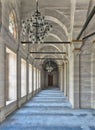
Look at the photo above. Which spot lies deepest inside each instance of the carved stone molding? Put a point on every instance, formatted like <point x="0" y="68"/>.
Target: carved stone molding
<point x="94" y="44"/>
<point x="77" y="44"/>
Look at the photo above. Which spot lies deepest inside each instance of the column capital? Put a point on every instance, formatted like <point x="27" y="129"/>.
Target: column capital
<point x="60" y="66"/>
<point x="94" y="44"/>
<point x="65" y="60"/>
<point x="77" y="51"/>
<point x="77" y="44"/>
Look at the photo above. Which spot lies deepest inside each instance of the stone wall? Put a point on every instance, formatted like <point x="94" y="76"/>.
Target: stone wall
<point x="85" y="81"/>
<point x="7" y="40"/>
<point x="81" y="68"/>
<point x="93" y="79"/>
<point x="87" y="71"/>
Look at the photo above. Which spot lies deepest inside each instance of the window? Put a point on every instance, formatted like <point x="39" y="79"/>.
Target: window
<point x="13" y="24"/>
<point x="30" y="78"/>
<point x="11" y="76"/>
<point x="23" y="77"/>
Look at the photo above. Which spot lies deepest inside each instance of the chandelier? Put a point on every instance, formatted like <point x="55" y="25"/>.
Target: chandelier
<point x="49" y="68"/>
<point x="36" y="28"/>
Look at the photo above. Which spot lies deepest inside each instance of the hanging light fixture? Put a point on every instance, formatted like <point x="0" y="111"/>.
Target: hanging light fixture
<point x="49" y="67"/>
<point x="36" y="28"/>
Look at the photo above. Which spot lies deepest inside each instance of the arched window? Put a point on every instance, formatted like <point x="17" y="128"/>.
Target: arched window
<point x="13" y="24"/>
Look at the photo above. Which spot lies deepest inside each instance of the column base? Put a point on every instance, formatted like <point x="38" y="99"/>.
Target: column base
<point x="2" y="114"/>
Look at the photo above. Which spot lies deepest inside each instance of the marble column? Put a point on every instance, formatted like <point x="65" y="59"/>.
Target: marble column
<point x="36" y="80"/>
<point x="93" y="76"/>
<point x="42" y="78"/>
<point x="76" y="78"/>
<point x="67" y="81"/>
<point x="76" y="73"/>
<point x="65" y="78"/>
<point x="93" y="80"/>
<point x="61" y="79"/>
<point x="2" y="81"/>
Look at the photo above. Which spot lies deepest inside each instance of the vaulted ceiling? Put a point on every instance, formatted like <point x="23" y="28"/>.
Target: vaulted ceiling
<point x="66" y="16"/>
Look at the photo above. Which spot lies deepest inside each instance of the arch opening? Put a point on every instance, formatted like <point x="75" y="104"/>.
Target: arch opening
<point x="50" y="68"/>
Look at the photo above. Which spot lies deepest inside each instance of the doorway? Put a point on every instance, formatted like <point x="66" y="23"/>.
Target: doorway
<point x="50" y="80"/>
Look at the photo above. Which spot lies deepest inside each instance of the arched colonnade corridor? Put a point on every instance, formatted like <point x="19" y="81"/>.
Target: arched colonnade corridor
<point x="50" y="85"/>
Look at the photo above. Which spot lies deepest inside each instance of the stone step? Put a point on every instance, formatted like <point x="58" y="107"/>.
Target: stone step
<point x="49" y="98"/>
<point x="51" y="101"/>
<point x="48" y="104"/>
<point x="43" y="128"/>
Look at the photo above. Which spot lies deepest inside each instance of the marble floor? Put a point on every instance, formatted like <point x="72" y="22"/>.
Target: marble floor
<point x="50" y="110"/>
